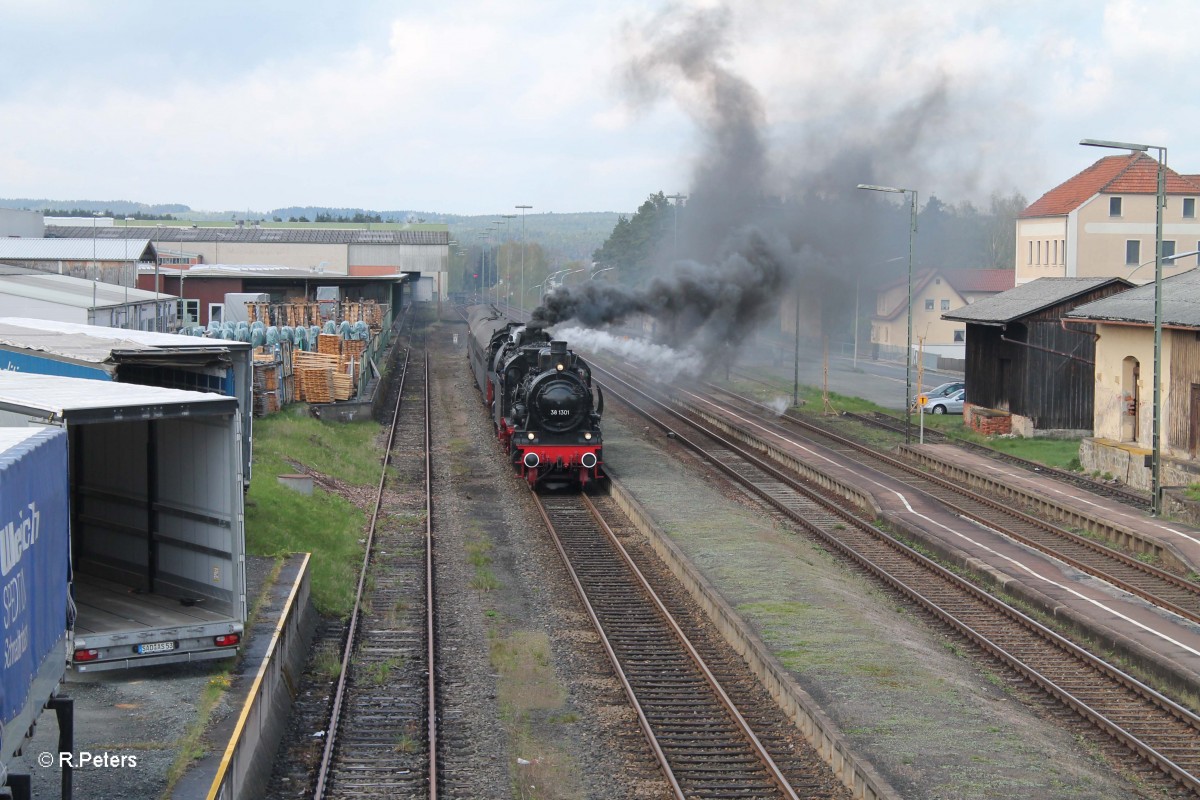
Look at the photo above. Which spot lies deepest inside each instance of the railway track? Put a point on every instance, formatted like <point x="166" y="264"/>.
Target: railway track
<point x="698" y="731"/>
<point x="1159" y="731"/>
<point x="382" y="736"/>
<point x="1130" y="497"/>
<point x="1122" y="570"/>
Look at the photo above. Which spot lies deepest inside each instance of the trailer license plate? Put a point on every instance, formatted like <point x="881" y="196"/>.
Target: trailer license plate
<point x="155" y="647"/>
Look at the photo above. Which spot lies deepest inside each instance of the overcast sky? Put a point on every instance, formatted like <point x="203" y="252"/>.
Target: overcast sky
<point x="465" y="106"/>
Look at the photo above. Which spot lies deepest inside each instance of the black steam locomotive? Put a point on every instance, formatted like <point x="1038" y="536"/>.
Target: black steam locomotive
<point x="541" y="398"/>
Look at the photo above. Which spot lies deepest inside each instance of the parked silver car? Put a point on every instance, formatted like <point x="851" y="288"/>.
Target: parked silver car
<point x="950" y="404"/>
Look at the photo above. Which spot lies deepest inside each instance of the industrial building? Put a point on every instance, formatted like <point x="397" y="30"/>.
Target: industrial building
<point x="31" y="292"/>
<point x="89" y="258"/>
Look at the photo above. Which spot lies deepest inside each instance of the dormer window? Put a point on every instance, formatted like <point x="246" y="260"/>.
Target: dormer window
<point x="1114" y="206"/>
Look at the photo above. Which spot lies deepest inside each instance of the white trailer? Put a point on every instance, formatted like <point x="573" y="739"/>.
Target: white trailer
<point x="156" y="518"/>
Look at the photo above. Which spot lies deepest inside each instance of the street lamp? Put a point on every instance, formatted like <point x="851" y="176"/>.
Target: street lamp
<point x="676" y="197"/>
<point x="157" y="261"/>
<point x="508" y="270"/>
<point x="592" y="277"/>
<point x="912" y="229"/>
<point x="523" y="210"/>
<point x="1160" y="203"/>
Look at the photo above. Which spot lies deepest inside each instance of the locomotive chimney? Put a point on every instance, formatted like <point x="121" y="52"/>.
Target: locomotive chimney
<point x="558" y="347"/>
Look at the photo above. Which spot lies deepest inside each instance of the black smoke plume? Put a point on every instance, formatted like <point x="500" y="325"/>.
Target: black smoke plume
<point x="712" y="301"/>
<point x="699" y="305"/>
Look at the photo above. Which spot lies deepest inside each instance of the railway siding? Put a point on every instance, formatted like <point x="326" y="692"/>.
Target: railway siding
<point x="909" y="704"/>
<point x="1099" y="523"/>
<point x="858" y="775"/>
<point x="1165" y="672"/>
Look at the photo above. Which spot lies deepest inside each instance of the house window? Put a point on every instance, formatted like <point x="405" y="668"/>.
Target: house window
<point x="216" y="312"/>
<point x="929" y="304"/>
<point x="189" y="311"/>
<point x="1133" y="252"/>
<point x="960" y="336"/>
<point x="1055" y="261"/>
<point x="945" y="305"/>
<point x="1039" y="252"/>
<point x="1030" y="259"/>
<point x="1114" y="206"/>
<point x="1189" y="208"/>
<point x="1168" y="250"/>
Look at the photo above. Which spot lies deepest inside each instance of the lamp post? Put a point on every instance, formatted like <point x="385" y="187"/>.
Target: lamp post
<point x="912" y="229"/>
<point x="523" y="210"/>
<point x="157" y="260"/>
<point x="508" y="270"/>
<point x="1160" y="204"/>
<point x="677" y="197"/>
<point x="592" y="277"/>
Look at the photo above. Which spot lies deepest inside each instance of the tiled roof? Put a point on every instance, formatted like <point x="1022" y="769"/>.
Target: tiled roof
<point x="1180" y="306"/>
<point x="980" y="280"/>
<point x="1028" y="298"/>
<point x="1134" y="173"/>
<point x="960" y="280"/>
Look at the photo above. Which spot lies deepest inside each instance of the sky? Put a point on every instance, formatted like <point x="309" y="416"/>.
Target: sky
<point x="473" y="107"/>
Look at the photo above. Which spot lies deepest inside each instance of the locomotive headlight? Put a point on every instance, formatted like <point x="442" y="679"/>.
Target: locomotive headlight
<point x="560" y="367"/>
<point x="532" y="436"/>
<point x="587" y="436"/>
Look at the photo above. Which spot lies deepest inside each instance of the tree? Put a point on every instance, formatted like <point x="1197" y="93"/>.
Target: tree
<point x="635" y="243"/>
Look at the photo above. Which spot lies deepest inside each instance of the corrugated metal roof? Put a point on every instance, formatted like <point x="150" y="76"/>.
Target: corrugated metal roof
<point x="264" y="235"/>
<point x="76" y="292"/>
<point x="84" y="248"/>
<point x="81" y="400"/>
<point x="1028" y="298"/>
<point x="268" y="272"/>
<point x="1180" y="306"/>
<point x="96" y="344"/>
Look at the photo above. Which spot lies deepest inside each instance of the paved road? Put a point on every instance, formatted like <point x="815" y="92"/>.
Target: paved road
<point x="880" y="381"/>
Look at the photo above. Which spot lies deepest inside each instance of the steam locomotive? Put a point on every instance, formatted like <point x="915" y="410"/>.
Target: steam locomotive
<point x="541" y="399"/>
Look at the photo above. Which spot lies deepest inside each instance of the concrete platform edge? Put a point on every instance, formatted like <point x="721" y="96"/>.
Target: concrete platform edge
<point x="243" y="768"/>
<point x="821" y="731"/>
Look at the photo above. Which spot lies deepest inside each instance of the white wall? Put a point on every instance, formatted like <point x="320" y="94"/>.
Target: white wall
<point x="21" y="223"/>
<point x="14" y="306"/>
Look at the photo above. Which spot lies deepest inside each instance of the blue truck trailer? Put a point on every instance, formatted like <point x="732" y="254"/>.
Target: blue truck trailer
<point x="35" y="588"/>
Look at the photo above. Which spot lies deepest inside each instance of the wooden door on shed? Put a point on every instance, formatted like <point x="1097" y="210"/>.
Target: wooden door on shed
<point x="1194" y="422"/>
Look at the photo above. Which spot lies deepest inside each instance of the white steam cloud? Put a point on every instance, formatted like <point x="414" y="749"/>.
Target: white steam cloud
<point x="666" y="363"/>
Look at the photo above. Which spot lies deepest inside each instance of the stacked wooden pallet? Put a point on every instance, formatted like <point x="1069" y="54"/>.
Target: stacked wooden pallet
<point x="316" y="385"/>
<point x="314" y="376"/>
<point x="343" y="386"/>
<point x="329" y="343"/>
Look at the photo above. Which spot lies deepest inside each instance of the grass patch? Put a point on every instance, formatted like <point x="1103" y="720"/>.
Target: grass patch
<point x="379" y="672"/>
<point x="479" y="554"/>
<point x="527" y="689"/>
<point x="327" y="662"/>
<point x="280" y="521"/>
<point x="191" y="748"/>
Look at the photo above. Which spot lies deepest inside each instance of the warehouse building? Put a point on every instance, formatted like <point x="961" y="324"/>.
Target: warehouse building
<point x="31" y="292"/>
<point x="90" y="258"/>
